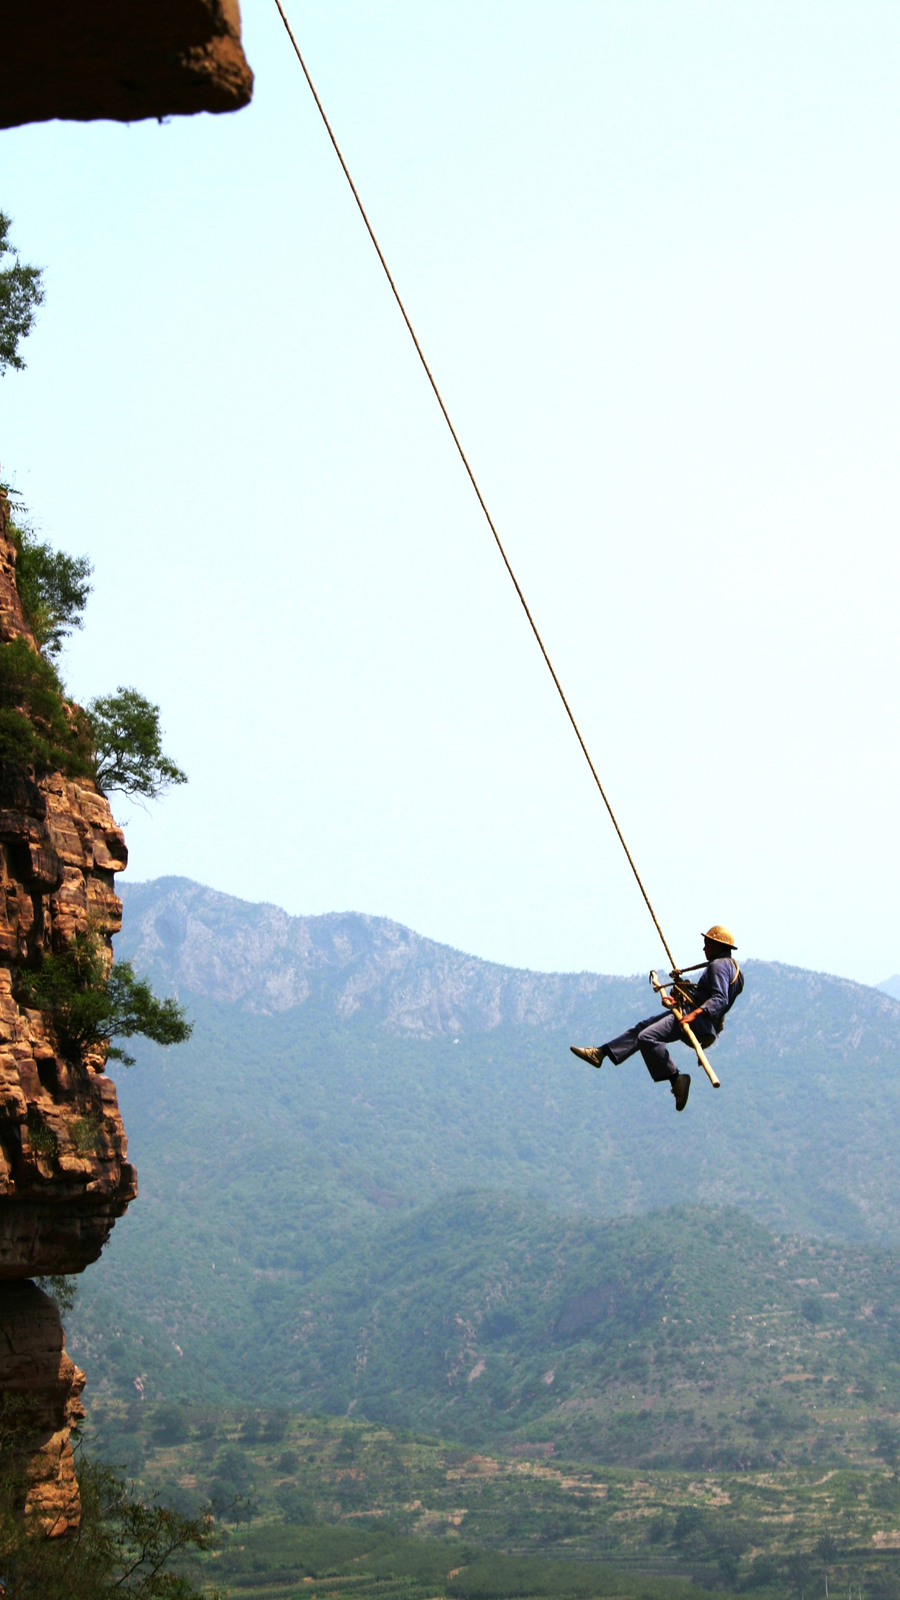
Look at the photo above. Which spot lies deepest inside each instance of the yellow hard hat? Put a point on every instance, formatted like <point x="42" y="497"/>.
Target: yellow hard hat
<point x="719" y="934"/>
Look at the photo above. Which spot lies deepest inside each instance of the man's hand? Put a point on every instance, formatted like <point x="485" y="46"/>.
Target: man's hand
<point x="671" y="1001"/>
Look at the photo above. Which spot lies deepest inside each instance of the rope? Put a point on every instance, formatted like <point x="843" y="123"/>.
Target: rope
<point x="472" y="479"/>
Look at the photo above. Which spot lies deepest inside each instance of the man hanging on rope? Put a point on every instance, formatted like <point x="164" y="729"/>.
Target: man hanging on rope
<point x="710" y="999"/>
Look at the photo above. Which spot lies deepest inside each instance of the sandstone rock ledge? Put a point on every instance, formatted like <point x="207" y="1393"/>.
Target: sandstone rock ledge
<point x="64" y="1173"/>
<point x="38" y="1376"/>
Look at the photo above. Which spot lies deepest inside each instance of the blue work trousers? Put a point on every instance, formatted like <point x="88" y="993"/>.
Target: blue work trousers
<point x="651" y="1037"/>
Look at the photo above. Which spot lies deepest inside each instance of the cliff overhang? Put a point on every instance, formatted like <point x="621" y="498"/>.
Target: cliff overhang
<point x="125" y="62"/>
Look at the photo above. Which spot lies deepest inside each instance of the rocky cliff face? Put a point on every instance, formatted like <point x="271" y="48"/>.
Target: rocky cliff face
<point x="38" y="1377"/>
<point x="151" y="58"/>
<point x="64" y="1173"/>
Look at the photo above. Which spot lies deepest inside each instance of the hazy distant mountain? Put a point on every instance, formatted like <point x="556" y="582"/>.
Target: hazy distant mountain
<point x="347" y="1078"/>
<point x="891" y="986"/>
<point x="194" y="940"/>
<point x="350" y="1047"/>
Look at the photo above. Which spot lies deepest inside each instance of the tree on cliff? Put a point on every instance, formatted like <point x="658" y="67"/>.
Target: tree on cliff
<point x="87" y="1008"/>
<point x="128" y="739"/>
<point x="37" y="726"/>
<point x="21" y="292"/>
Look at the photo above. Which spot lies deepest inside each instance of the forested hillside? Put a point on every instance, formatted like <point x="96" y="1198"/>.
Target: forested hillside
<point x="691" y="1337"/>
<point x="337" y="1211"/>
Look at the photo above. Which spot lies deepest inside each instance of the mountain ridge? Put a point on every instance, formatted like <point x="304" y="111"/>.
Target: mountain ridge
<point x="194" y="939"/>
<point x="235" y="950"/>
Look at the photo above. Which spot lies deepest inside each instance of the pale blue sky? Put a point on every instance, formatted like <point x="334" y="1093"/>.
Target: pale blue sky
<point x="653" y="253"/>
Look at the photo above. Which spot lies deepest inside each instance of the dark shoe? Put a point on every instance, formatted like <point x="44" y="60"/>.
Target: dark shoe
<point x="681" y="1088"/>
<point x="594" y="1055"/>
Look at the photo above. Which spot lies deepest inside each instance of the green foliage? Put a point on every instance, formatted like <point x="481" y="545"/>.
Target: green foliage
<point x="128" y="742"/>
<point x="688" y="1521"/>
<point x="88" y="1008"/>
<point x="53" y="588"/>
<point x="21" y="292"/>
<point x="42" y="1139"/>
<point x="60" y="1288"/>
<point x="118" y="740"/>
<point x="135" y="1009"/>
<point x="87" y="1134"/>
<point x="801" y="1574"/>
<point x="125" y="1546"/>
<point x="37" y="727"/>
<point x="171" y="1424"/>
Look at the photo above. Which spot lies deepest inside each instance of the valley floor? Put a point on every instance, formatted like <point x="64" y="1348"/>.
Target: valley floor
<point x="332" y="1506"/>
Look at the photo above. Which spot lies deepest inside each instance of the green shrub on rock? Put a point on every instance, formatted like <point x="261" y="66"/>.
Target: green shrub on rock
<point x="53" y="588"/>
<point x="37" y="727"/>
<point x="87" y="1007"/>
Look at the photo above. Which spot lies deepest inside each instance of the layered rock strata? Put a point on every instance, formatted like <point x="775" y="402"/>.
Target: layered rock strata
<point x="64" y="1172"/>
<point x="100" y="58"/>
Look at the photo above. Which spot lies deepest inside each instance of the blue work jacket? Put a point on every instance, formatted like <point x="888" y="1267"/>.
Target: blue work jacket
<point x="717" y="990"/>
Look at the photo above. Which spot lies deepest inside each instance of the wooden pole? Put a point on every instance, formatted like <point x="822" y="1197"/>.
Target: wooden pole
<point x="689" y="1034"/>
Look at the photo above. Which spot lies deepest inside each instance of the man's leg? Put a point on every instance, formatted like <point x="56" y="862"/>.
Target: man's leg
<point x="654" y="1036"/>
<point x="619" y="1049"/>
<point x="652" y="1045"/>
<point x="651" y="1037"/>
<point x="629" y="1042"/>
